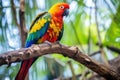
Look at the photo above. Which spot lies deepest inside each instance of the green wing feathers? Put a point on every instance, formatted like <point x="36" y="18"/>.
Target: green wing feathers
<point x="38" y="28"/>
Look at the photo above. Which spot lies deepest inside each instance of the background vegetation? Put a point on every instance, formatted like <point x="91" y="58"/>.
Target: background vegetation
<point x="90" y="25"/>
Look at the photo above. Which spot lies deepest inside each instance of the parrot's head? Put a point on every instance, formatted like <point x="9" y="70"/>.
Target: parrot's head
<point x="59" y="9"/>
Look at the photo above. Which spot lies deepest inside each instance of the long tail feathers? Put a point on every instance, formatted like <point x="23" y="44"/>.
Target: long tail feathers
<point x="24" y="69"/>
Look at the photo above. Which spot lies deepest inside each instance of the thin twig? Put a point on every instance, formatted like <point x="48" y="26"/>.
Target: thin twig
<point x="72" y="70"/>
<point x="99" y="37"/>
<point x="94" y="53"/>
<point x="77" y="36"/>
<point x="108" y="6"/>
<point x="23" y="30"/>
<point x="14" y="14"/>
<point x="112" y="48"/>
<point x="89" y="33"/>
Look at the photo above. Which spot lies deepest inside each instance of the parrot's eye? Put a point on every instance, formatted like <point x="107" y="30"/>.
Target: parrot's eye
<point x="62" y="7"/>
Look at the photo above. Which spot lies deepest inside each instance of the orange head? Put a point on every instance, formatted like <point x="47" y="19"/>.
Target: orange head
<point x="59" y="9"/>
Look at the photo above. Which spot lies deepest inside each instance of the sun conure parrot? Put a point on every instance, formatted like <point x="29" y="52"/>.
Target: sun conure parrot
<point x="47" y="26"/>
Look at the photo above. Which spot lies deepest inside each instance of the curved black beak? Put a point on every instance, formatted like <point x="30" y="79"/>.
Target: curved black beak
<point x="66" y="12"/>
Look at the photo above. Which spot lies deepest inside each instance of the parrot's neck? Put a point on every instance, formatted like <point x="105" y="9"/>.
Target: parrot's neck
<point x="55" y="14"/>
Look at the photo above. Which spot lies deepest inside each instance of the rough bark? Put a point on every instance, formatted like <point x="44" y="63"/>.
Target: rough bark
<point x="71" y="52"/>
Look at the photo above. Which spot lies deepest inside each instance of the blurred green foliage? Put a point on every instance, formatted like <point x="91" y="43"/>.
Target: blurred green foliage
<point x="80" y="30"/>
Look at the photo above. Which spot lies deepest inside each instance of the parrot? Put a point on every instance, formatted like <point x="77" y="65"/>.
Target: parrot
<point x="47" y="26"/>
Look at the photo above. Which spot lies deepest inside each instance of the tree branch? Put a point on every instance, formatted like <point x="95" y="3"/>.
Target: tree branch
<point x="14" y="13"/>
<point x="112" y="48"/>
<point x="73" y="27"/>
<point x="98" y="33"/>
<point x="21" y="27"/>
<point x="72" y="70"/>
<point x="23" y="30"/>
<point x="71" y="52"/>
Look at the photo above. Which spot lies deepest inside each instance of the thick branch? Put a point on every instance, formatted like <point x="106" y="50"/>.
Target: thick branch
<point x="71" y="52"/>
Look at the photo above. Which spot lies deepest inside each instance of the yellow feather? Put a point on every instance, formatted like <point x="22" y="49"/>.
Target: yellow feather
<point x="37" y="26"/>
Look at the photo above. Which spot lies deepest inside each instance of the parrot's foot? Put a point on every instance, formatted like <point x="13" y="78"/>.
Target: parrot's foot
<point x="58" y="42"/>
<point x="47" y="42"/>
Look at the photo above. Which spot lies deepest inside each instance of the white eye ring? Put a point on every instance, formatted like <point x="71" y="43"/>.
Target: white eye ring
<point x="62" y="7"/>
